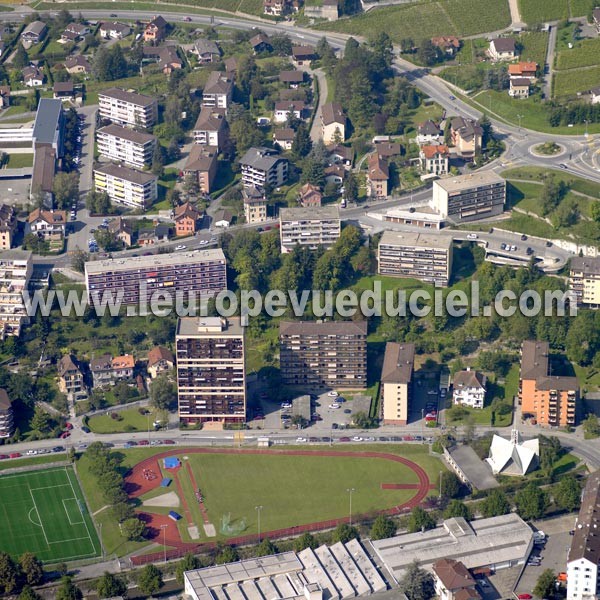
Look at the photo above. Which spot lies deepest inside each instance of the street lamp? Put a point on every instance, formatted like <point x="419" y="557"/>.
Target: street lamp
<point x="101" y="544"/>
<point x="350" y="491"/>
<point x="519" y="117"/>
<point x="148" y="420"/>
<point x="164" y="530"/>
<point x="586" y="128"/>
<point x="258" y="509"/>
<point x="440" y="484"/>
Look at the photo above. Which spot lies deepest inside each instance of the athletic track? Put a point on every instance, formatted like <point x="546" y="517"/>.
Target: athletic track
<point x="136" y="485"/>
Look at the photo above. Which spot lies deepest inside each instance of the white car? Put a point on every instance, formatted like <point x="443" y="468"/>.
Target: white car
<point x="334" y="405"/>
<point x="301" y="439"/>
<point x="286" y="405"/>
<point x="333" y="394"/>
<point x="32" y="452"/>
<point x="357" y="438"/>
<point x="203" y="242"/>
<point x="432" y="392"/>
<point x="180" y="247"/>
<point x="472" y="236"/>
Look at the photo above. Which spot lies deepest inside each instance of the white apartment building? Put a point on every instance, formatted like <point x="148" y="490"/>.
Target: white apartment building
<point x="218" y="90"/>
<point x="584" y="280"/>
<point x="263" y="166"/>
<point x="584" y="554"/>
<point x="468" y="388"/>
<point x="15" y="271"/>
<point x="313" y="227"/>
<point x="127" y="108"/>
<point x="211" y="128"/>
<point x="126" y="186"/>
<point x="126" y="145"/>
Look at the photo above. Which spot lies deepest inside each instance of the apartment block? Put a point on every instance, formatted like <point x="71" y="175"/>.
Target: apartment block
<point x="127" y="108"/>
<point x="218" y="90"/>
<point x="423" y="256"/>
<point x="200" y="272"/>
<point x="15" y="271"/>
<point x="584" y="554"/>
<point x="211" y="371"/>
<point x="211" y="128"/>
<point x="255" y="205"/>
<point x="313" y="227"/>
<point x="137" y="189"/>
<point x="396" y="382"/>
<point x="331" y="354"/>
<point x="468" y="388"/>
<point x="552" y="399"/>
<point x="6" y="415"/>
<point x="126" y="145"/>
<point x="70" y="376"/>
<point x="469" y="197"/>
<point x="584" y="280"/>
<point x="8" y="225"/>
<point x="263" y="167"/>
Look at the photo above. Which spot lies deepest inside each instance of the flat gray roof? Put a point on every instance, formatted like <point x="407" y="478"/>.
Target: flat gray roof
<point x="309" y="214"/>
<point x="480" y="543"/>
<point x="137" y="137"/>
<point x="471" y="180"/>
<point x="477" y="471"/>
<point x="156" y="260"/>
<point x="16" y="255"/>
<point x="209" y="326"/>
<point x="46" y="120"/>
<point x="416" y="239"/>
<point x="125" y="173"/>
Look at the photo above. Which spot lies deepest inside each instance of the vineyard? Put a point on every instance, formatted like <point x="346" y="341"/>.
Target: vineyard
<point x="568" y="83"/>
<point x="538" y="11"/>
<point x="426" y="19"/>
<point x="585" y="54"/>
<point x="533" y="46"/>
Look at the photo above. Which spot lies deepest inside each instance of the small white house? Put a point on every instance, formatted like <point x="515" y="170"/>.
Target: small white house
<point x="469" y="388"/>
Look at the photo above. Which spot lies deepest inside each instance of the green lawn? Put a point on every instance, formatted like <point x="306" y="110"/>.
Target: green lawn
<point x="584" y="186"/>
<point x="580" y="8"/>
<point x="30" y="460"/>
<point x="132" y="420"/>
<point x="425" y="19"/>
<point x="18" y="161"/>
<point x="44" y="512"/>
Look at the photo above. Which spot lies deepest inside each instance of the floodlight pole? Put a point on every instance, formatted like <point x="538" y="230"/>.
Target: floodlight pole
<point x="164" y="529"/>
<point x="101" y="544"/>
<point x="350" y="491"/>
<point x="258" y="509"/>
<point x="440" y="484"/>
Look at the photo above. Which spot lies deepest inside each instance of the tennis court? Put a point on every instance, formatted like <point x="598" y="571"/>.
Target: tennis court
<point x="44" y="512"/>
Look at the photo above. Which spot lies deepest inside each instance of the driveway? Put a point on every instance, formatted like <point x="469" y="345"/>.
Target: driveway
<point x="550" y="61"/>
<point x="315" y="130"/>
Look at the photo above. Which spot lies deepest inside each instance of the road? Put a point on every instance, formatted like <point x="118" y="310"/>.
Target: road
<point x="549" y="66"/>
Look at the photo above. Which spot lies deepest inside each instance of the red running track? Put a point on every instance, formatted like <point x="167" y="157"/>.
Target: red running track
<point x="136" y="485"/>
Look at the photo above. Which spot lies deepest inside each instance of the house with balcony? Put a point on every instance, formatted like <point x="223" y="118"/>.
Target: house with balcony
<point x="102" y="371"/>
<point x="8" y="225"/>
<point x="434" y="159"/>
<point x="467" y="136"/>
<point x="285" y="108"/>
<point x="122" y="367"/>
<point x="468" y="388"/>
<point x="284" y="137"/>
<point x="378" y="175"/>
<point x="50" y="225"/>
<point x="156" y="30"/>
<point x="255" y="205"/>
<point x="160" y="360"/>
<point x="502" y="49"/>
<point x="122" y="230"/>
<point x="202" y="164"/>
<point x="310" y="195"/>
<point x="453" y="581"/>
<point x="6" y="415"/>
<point x="207" y="51"/>
<point x="77" y="65"/>
<point x="187" y="219"/>
<point x="114" y="31"/>
<point x="333" y="123"/>
<point x="263" y="167"/>
<point x="519" y="87"/>
<point x="33" y="33"/>
<point x="429" y="133"/>
<point x="211" y="128"/>
<point x="32" y="76"/>
<point x="70" y="375"/>
<point x="448" y="44"/>
<point x="218" y="90"/>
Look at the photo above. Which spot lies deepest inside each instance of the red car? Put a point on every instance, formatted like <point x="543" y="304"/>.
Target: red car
<point x="64" y="435"/>
<point x="344" y="439"/>
<point x="3" y="456"/>
<point x="15" y="454"/>
<point x="143" y="443"/>
<point x="68" y="426"/>
<point x="168" y="442"/>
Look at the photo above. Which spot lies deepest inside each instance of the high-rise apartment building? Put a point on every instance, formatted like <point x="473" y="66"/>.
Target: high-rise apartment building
<point x="211" y="372"/>
<point x="396" y="382"/>
<point x="552" y="399"/>
<point x="584" y="280"/>
<point x="329" y="354"/>
<point x="15" y="271"/>
<point x="124" y="185"/>
<point x="127" y="108"/>
<point x="200" y="272"/>
<point x="125" y="145"/>
<point x="313" y="226"/>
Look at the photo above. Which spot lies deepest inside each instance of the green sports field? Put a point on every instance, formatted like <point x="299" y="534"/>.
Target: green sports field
<point x="44" y="512"/>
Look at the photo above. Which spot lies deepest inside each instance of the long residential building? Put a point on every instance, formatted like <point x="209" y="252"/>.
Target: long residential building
<point x="263" y="167"/>
<point x="396" y="382"/>
<point x="211" y="371"/>
<point x="470" y="197"/>
<point x="331" y="354"/>
<point x="125" y="145"/>
<point x="313" y="227"/>
<point x="423" y="256"/>
<point x="16" y="267"/>
<point x="584" y="280"/>
<point x="552" y="399"/>
<point x="137" y="189"/>
<point x="127" y="108"/>
<point x="583" y="558"/>
<point x="200" y="272"/>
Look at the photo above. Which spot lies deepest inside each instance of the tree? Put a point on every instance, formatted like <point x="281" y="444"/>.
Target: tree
<point x="344" y="533"/>
<point x="495" y="504"/>
<point x="451" y="485"/>
<point x="226" y="555"/>
<point x="382" y="528"/>
<point x="9" y="574"/>
<point x="417" y="583"/>
<point x="20" y="57"/>
<point x="158" y="160"/>
<point x="351" y="188"/>
<point x="65" y="188"/>
<point x="68" y="590"/>
<point x="531" y="502"/>
<point x="595" y="211"/>
<point x="552" y="194"/>
<point x="107" y="240"/>
<point x="98" y="203"/>
<point x="544" y="588"/>
<point x="566" y="214"/>
<point x="306" y="540"/>
<point x="162" y="392"/>
<point x="302" y="144"/>
<point x="122" y="511"/>
<point x="110" y="586"/>
<point x="133" y="529"/>
<point x="78" y="260"/>
<point x="188" y="563"/>
<point x="456" y="508"/>
<point x="567" y="494"/>
<point x="420" y="520"/>
<point x="40" y="421"/>
<point x="281" y="44"/>
<point x="150" y="579"/>
<point x="31" y="568"/>
<point x="591" y="426"/>
<point x="29" y="593"/>
<point x="244" y="133"/>
<point x="427" y="53"/>
<point x="266" y="548"/>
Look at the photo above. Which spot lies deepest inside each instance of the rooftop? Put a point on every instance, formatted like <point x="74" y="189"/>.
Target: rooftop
<point x="113" y="265"/>
<point x="262" y="159"/>
<point x="313" y="213"/>
<point x="47" y="120"/>
<point x="453" y="574"/>
<point x="398" y="363"/>
<point x="159" y="353"/>
<point x="126" y="173"/>
<point x="469" y="378"/>
<point x="471" y="180"/>
<point x="586" y="541"/>
<point x="125" y="96"/>
<point x="588" y="265"/>
<point x="332" y="112"/>
<point x="131" y="135"/>
<point x="209" y="326"/>
<point x="506" y="44"/>
<point x="323" y="328"/>
<point x="416" y="239"/>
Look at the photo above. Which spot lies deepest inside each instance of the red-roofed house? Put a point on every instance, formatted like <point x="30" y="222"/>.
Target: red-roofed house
<point x="187" y="218"/>
<point x="378" y="176"/>
<point x="310" y="195"/>
<point x="449" y="44"/>
<point x="523" y="69"/>
<point x="160" y="360"/>
<point x="434" y="159"/>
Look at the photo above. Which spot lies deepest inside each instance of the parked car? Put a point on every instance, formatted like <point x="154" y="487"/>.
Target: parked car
<point x="471" y="236"/>
<point x="334" y="405"/>
<point x="85" y="429"/>
<point x="64" y="435"/>
<point x="332" y="394"/>
<point x="14" y="455"/>
<point x="143" y="443"/>
<point x="3" y="456"/>
<point x="169" y="442"/>
<point x="357" y="438"/>
<point x="301" y="440"/>
<point x="180" y="247"/>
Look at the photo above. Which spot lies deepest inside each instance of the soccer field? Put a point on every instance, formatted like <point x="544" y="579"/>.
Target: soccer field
<point x="44" y="512"/>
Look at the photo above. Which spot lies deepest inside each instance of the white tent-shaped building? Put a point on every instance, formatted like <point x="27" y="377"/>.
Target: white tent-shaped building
<point x="509" y="457"/>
